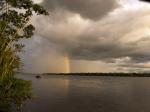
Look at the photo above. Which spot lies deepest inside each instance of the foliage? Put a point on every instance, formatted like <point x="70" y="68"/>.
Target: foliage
<point x="14" y="91"/>
<point x="14" y="25"/>
<point x="15" y="16"/>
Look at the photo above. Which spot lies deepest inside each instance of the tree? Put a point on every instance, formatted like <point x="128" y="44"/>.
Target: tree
<point x="14" y="25"/>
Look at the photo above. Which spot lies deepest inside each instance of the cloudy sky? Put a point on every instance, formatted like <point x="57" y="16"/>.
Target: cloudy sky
<point x="90" y="36"/>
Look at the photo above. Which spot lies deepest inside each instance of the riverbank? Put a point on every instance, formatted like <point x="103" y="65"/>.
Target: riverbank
<point x="103" y="74"/>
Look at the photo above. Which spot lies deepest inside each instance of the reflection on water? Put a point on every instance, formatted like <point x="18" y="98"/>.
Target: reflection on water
<point x="88" y="94"/>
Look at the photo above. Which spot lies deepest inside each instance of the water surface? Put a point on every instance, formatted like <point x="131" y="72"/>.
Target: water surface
<point x="88" y="94"/>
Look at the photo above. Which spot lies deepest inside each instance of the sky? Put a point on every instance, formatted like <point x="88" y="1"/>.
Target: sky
<point x="90" y="36"/>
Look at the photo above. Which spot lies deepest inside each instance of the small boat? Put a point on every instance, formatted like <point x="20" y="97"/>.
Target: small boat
<point x="38" y="76"/>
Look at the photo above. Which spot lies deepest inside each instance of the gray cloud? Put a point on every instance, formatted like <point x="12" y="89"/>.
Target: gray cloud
<point x="92" y="9"/>
<point x="117" y="40"/>
<point x="102" y="40"/>
<point x="108" y="50"/>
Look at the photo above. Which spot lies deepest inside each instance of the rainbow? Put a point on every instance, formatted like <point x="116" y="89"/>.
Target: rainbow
<point x="67" y="64"/>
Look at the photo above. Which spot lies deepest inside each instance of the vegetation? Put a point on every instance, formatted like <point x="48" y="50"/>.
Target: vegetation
<point x="104" y="74"/>
<point x="14" y="26"/>
<point x="14" y="92"/>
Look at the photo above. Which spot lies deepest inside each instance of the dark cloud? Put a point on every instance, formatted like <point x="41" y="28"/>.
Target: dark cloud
<point x="103" y="40"/>
<point x="120" y="38"/>
<point x="108" y="50"/>
<point x="92" y="9"/>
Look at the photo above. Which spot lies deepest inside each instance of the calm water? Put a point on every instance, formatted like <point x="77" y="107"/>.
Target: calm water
<point x="88" y="94"/>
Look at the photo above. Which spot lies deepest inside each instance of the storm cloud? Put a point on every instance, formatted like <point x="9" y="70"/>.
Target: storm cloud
<point x="91" y="9"/>
<point x="106" y="33"/>
<point x="102" y="40"/>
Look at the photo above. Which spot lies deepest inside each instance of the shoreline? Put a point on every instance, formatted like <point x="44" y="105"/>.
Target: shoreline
<point x="102" y="74"/>
<point x="91" y="74"/>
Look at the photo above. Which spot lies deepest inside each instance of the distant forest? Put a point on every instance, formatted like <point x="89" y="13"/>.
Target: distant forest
<point x="104" y="74"/>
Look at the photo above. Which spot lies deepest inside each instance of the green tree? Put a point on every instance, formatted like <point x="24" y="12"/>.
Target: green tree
<point x="15" y="16"/>
<point x="14" y="25"/>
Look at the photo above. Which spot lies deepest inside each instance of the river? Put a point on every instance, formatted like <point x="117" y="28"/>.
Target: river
<point x="88" y="94"/>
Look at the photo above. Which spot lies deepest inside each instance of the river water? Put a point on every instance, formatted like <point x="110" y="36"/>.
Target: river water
<point x="88" y="94"/>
